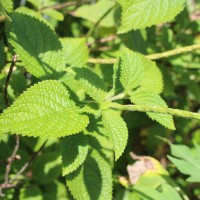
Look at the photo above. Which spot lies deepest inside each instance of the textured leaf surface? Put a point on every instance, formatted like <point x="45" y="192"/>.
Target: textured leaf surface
<point x="6" y="5"/>
<point x="93" y="180"/>
<point x="167" y="192"/>
<point x="75" y="51"/>
<point x="47" y="167"/>
<point x="91" y="83"/>
<point x="138" y="71"/>
<point x="117" y="131"/>
<point x="74" y="152"/>
<point x="187" y="161"/>
<point x="38" y="46"/>
<point x="146" y="98"/>
<point x="132" y="69"/>
<point x="138" y="14"/>
<point x="95" y="11"/>
<point x="43" y="110"/>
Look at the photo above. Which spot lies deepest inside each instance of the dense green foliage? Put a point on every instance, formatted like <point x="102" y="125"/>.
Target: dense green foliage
<point x="80" y="91"/>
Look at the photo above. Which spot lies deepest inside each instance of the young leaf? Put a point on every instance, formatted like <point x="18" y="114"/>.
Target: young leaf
<point x="117" y="131"/>
<point x="186" y="161"/>
<point x="38" y="46"/>
<point x="91" y="83"/>
<point x="75" y="51"/>
<point x="43" y="110"/>
<point x="147" y="98"/>
<point x="74" y="152"/>
<point x="93" y="180"/>
<point x="132" y="69"/>
<point x="138" y="14"/>
<point x="138" y="71"/>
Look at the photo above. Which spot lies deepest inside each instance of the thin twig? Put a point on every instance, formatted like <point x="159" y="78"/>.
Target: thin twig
<point x="10" y="160"/>
<point x="63" y="5"/>
<point x="26" y="165"/>
<point x="151" y="57"/>
<point x="99" y="21"/>
<point x="14" y="60"/>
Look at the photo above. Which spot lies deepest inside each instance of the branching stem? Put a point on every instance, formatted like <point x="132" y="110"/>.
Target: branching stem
<point x="140" y="108"/>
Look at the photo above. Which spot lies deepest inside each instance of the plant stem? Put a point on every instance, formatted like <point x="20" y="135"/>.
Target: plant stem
<point x="173" y="52"/>
<point x="14" y="60"/>
<point x="141" y="108"/>
<point x="151" y="57"/>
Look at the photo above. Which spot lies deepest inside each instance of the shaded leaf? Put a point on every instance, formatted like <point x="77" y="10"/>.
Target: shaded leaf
<point x="74" y="152"/>
<point x="93" y="180"/>
<point x="38" y="46"/>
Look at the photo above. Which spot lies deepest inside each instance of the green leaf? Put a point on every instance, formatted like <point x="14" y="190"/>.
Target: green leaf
<point x="75" y="51"/>
<point x="132" y="69"/>
<point x="95" y="11"/>
<point x="30" y="193"/>
<point x="43" y="110"/>
<point x="138" y="14"/>
<point x="53" y="14"/>
<point x="93" y="180"/>
<point x="91" y="83"/>
<point x="78" y="147"/>
<point x="138" y="71"/>
<point x="6" y="6"/>
<point x="38" y="46"/>
<point x="187" y="161"/>
<point x="147" y="98"/>
<point x="152" y="79"/>
<point x="167" y="192"/>
<point x="47" y="167"/>
<point x="117" y="131"/>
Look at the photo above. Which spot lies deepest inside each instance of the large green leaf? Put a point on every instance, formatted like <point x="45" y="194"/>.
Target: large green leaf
<point x="138" y="71"/>
<point x="92" y="181"/>
<point x="74" y="152"/>
<point x="43" y="110"/>
<point x="138" y="14"/>
<point x="147" y="98"/>
<point x="91" y="83"/>
<point x="187" y="161"/>
<point x="117" y="131"/>
<point x="166" y="192"/>
<point x="38" y="46"/>
<point x="75" y="51"/>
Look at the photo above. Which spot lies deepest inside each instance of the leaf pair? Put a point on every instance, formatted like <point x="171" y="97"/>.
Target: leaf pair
<point x="142" y="81"/>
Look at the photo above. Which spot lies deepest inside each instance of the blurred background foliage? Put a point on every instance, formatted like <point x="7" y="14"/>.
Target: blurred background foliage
<point x="97" y="22"/>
